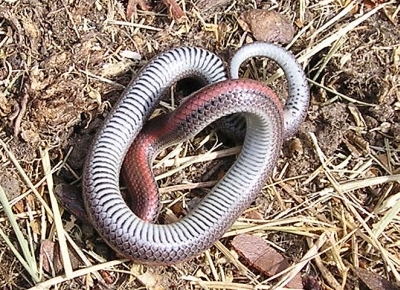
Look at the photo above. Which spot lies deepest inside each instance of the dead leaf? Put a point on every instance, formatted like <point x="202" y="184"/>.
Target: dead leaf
<point x="372" y="3"/>
<point x="150" y="278"/>
<point x="296" y="147"/>
<point x="71" y="198"/>
<point x="131" y="9"/>
<point x="50" y="255"/>
<point x="356" y="144"/>
<point x="33" y="32"/>
<point x="30" y="136"/>
<point x="263" y="257"/>
<point x="267" y="25"/>
<point x="254" y="215"/>
<point x="5" y="107"/>
<point x="311" y="283"/>
<point x="374" y="281"/>
<point x="19" y="207"/>
<point x="118" y="68"/>
<point x="35" y="226"/>
<point x="108" y="278"/>
<point x="174" y="9"/>
<point x="52" y="260"/>
<point x="206" y="5"/>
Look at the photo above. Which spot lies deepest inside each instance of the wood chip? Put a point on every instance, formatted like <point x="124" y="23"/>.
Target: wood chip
<point x="263" y="257"/>
<point x="267" y="25"/>
<point x="374" y="281"/>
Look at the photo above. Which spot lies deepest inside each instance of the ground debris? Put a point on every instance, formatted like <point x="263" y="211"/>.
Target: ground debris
<point x="69" y="61"/>
<point x="267" y="25"/>
<point x="374" y="281"/>
<point x="263" y="257"/>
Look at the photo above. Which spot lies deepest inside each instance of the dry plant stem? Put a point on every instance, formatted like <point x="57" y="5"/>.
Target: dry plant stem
<point x="26" y="179"/>
<point x="56" y="213"/>
<point x="210" y="155"/>
<point x="356" y="255"/>
<point x="330" y="39"/>
<point x="137" y="25"/>
<point x="292" y="271"/>
<point x="188" y="186"/>
<point x="22" y="215"/>
<point x="224" y="285"/>
<point x="102" y="79"/>
<point x="355" y="213"/>
<point x="195" y="159"/>
<point x="28" y="261"/>
<point x="62" y="278"/>
<point x="234" y="260"/>
<point x="21" y="113"/>
<point x="333" y="50"/>
<point x="71" y="18"/>
<point x="324" y="271"/>
<point x="390" y="216"/>
<point x="212" y="265"/>
<point x="44" y="205"/>
<point x="339" y="95"/>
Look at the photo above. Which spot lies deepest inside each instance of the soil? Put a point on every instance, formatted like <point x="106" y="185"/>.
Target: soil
<point x="63" y="65"/>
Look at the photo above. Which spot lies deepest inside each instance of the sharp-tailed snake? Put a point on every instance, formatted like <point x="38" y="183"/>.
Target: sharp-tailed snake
<point x="134" y="235"/>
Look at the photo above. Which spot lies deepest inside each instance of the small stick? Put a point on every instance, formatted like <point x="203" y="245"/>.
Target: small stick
<point x="17" y="124"/>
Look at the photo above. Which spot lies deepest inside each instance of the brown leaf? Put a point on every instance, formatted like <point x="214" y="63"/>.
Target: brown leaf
<point x="30" y="136"/>
<point x="267" y="25"/>
<point x="132" y="7"/>
<point x="296" y="147"/>
<point x="151" y="278"/>
<point x="19" y="207"/>
<point x="50" y="254"/>
<point x="263" y="257"/>
<point x="372" y="3"/>
<point x="206" y="5"/>
<point x="374" y="281"/>
<point x="254" y="215"/>
<point x="108" y="278"/>
<point x="71" y="198"/>
<point x="175" y="10"/>
<point x="35" y="226"/>
<point x="311" y="283"/>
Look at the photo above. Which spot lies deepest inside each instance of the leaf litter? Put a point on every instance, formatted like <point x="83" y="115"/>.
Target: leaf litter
<point x="330" y="208"/>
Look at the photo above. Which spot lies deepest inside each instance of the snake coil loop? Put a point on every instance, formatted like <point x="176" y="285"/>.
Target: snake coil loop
<point x="166" y="244"/>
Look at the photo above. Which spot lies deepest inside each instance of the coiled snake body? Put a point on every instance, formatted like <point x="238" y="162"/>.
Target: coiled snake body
<point x="133" y="235"/>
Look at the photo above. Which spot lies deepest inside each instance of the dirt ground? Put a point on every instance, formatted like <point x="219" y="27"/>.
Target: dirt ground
<point x="331" y="206"/>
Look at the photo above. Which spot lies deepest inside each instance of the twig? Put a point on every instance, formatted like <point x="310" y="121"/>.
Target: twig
<point x="21" y="113"/>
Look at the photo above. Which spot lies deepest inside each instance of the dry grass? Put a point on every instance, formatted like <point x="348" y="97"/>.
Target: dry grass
<point x="329" y="210"/>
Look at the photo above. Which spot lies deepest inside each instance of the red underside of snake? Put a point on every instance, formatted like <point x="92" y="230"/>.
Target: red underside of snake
<point x="131" y="233"/>
<point x="170" y="129"/>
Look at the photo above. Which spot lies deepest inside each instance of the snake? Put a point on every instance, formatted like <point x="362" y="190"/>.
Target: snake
<point x="133" y="233"/>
